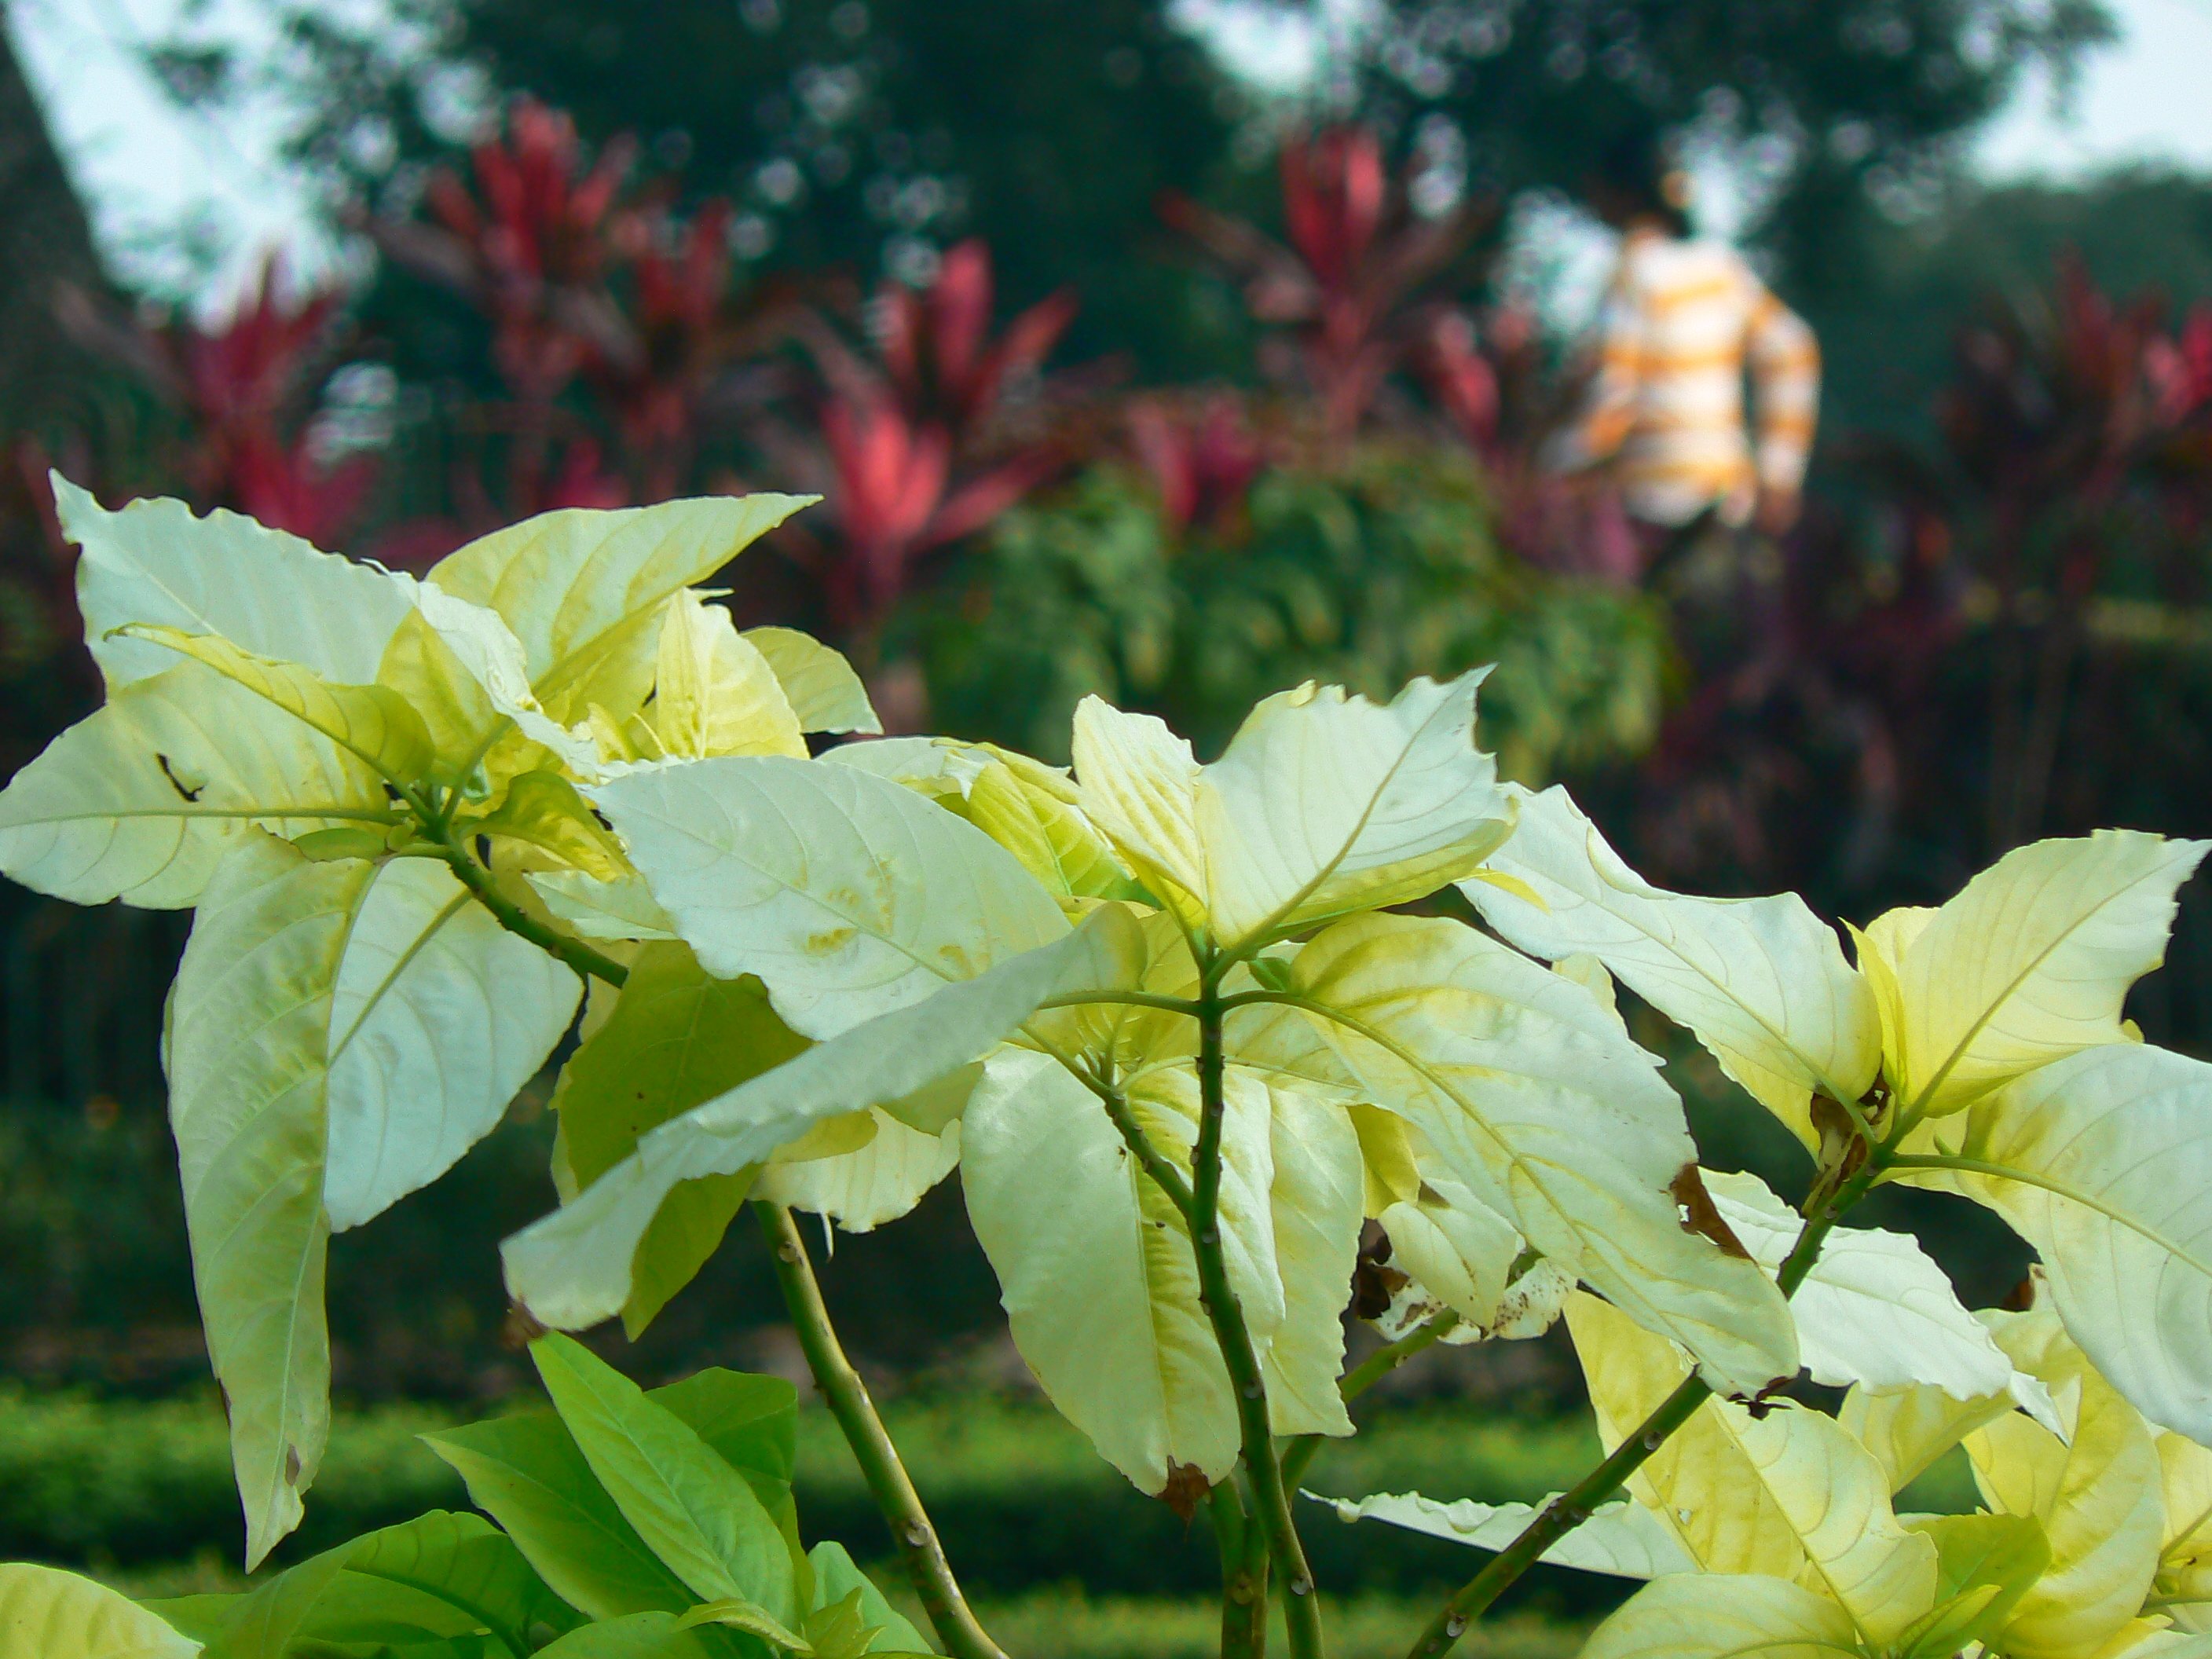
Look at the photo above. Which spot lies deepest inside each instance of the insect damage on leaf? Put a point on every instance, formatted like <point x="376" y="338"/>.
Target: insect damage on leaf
<point x="1186" y="1488"/>
<point x="168" y="771"/>
<point x="1700" y="1215"/>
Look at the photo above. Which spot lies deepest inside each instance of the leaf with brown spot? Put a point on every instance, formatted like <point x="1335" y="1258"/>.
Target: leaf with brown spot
<point x="1186" y="1488"/>
<point x="1689" y="1189"/>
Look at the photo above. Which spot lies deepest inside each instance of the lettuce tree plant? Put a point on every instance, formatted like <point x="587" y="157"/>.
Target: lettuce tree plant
<point x="1169" y="1024"/>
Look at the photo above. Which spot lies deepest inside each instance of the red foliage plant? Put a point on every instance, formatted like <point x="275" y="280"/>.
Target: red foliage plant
<point x="919" y="440"/>
<point x="1358" y="284"/>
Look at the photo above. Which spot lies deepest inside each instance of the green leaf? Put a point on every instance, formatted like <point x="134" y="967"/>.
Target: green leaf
<point x="438" y="1016"/>
<point x="751" y="1422"/>
<point x="471" y="1566"/>
<point x="635" y="1636"/>
<point x="1984" y="1565"/>
<point x="2029" y="962"/>
<point x="247" y="1062"/>
<point x="839" y="1630"/>
<point x="268" y="1617"/>
<point x="714" y="692"/>
<point x="2110" y="1151"/>
<point x="1761" y="981"/>
<point x="578" y="586"/>
<point x="820" y="685"/>
<point x="48" y="1614"/>
<point x="266" y="592"/>
<point x="1622" y="1539"/>
<point x="751" y="1618"/>
<point x="527" y="1474"/>
<point x="374" y="723"/>
<point x="573" y="1269"/>
<point x="1787" y="1492"/>
<point x="1322" y="805"/>
<point x="1529" y="1094"/>
<point x="835" y="1577"/>
<point x="675" y="1038"/>
<point x="1721" y="1616"/>
<point x="1095" y="1265"/>
<point x="689" y="1506"/>
<point x="141" y="799"/>
<point x="847" y="894"/>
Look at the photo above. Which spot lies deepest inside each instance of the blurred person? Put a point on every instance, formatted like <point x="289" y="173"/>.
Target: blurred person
<point x="1664" y="420"/>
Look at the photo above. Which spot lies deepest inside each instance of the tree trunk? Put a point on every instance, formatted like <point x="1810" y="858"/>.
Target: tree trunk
<point x="46" y="241"/>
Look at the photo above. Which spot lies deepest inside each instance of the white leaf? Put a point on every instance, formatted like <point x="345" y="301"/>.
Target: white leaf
<point x="1786" y="1492"/>
<point x="572" y="1268"/>
<point x="1761" y="981"/>
<point x="1622" y="1539"/>
<point x="1097" y="1273"/>
<point x="571" y="583"/>
<point x="1711" y="1616"/>
<point x="438" y="1016"/>
<point x="849" y="895"/>
<point x="247" y="1034"/>
<point x="2127" y="1130"/>
<point x="1459" y="1250"/>
<point x="861" y="1190"/>
<point x="1322" y="805"/>
<point x="602" y="909"/>
<point x="1314" y="1200"/>
<point x="1875" y="1310"/>
<point x="141" y="798"/>
<point x="2030" y="961"/>
<point x="48" y="1614"/>
<point x="824" y="692"/>
<point x="262" y="590"/>
<point x="1528" y="1092"/>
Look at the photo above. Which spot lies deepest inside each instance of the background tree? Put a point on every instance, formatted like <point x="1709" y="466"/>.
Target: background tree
<point x="1841" y="99"/>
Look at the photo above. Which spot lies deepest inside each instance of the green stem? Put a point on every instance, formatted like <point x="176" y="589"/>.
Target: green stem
<point x="1362" y="1377"/>
<point x="511" y="916"/>
<point x="888" y="1483"/>
<point x="1243" y="1574"/>
<point x="1270" y="1498"/>
<point x="1571" y="1509"/>
<point x="1156" y="1163"/>
<point x="841" y="1385"/>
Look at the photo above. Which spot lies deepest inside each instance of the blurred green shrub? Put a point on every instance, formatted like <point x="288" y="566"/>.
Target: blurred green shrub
<point x="1364" y="571"/>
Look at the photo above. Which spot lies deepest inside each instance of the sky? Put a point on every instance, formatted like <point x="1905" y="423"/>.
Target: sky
<point x="189" y="204"/>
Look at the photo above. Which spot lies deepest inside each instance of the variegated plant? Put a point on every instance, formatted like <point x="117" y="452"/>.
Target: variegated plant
<point x="1171" y="1026"/>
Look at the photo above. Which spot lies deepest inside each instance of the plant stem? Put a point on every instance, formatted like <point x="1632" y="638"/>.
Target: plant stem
<point x="1362" y="1377"/>
<point x="841" y="1385"/>
<point x="1243" y="1574"/>
<point x="586" y="961"/>
<point x="1270" y="1498"/>
<point x="847" y="1398"/>
<point x="1571" y="1509"/>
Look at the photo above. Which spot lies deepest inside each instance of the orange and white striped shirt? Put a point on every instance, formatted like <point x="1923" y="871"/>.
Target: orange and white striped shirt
<point x="1683" y="322"/>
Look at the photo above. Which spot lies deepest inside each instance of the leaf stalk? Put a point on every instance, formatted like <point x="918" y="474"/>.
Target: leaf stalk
<point x="1270" y="1497"/>
<point x="1572" y="1508"/>
<point x="846" y="1396"/>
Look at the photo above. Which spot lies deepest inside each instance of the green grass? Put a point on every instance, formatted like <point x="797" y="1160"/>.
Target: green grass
<point x="1063" y="1622"/>
<point x="141" y="1494"/>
